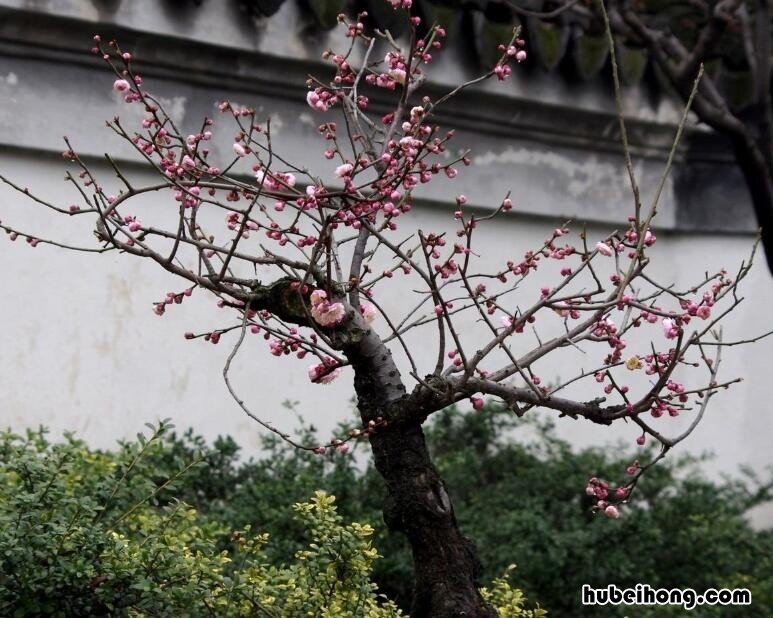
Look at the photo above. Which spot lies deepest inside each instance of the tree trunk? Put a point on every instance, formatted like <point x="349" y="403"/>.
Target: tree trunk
<point x="758" y="173"/>
<point x="446" y="567"/>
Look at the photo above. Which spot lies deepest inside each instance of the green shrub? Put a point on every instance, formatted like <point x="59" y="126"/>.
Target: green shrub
<point x="62" y="505"/>
<point x="85" y="533"/>
<point x="520" y="502"/>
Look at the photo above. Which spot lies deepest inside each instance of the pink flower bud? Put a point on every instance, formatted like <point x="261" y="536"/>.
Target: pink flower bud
<point x="612" y="512"/>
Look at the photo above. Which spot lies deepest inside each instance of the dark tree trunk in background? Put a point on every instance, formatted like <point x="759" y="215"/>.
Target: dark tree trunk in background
<point x="446" y="566"/>
<point x="758" y="173"/>
<point x="751" y="129"/>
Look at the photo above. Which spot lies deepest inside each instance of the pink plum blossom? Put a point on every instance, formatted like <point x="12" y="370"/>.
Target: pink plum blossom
<point x="703" y="312"/>
<point x="324" y="312"/>
<point x="398" y="75"/>
<point x="121" y="85"/>
<point x="328" y="314"/>
<point x="318" y="296"/>
<point x="502" y="71"/>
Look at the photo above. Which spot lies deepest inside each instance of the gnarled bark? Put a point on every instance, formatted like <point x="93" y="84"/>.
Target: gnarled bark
<point x="446" y="566"/>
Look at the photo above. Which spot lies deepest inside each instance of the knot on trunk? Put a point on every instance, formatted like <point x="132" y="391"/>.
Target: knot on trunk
<point x="282" y="298"/>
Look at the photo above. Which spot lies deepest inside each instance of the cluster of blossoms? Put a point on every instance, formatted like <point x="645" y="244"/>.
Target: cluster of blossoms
<point x="159" y="308"/>
<point x="323" y="311"/>
<point x="234" y="221"/>
<point x="321" y="99"/>
<point x="632" y="236"/>
<point x="14" y="235"/>
<point x="516" y="51"/>
<point x="274" y="181"/>
<point x="630" y="240"/>
<point x="599" y="489"/>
